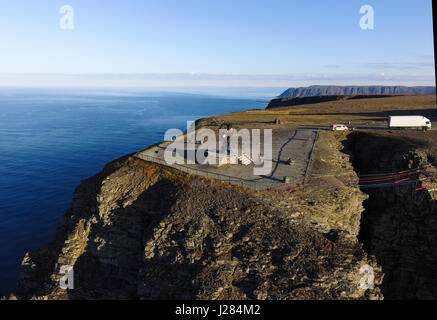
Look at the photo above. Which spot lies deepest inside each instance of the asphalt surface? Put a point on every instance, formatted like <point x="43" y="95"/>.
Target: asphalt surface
<point x="292" y="144"/>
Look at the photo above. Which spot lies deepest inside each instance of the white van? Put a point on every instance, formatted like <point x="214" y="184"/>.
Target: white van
<point x="339" y="127"/>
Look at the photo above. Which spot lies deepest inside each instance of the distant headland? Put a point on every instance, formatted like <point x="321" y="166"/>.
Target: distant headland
<point x="319" y="94"/>
<point x="313" y="91"/>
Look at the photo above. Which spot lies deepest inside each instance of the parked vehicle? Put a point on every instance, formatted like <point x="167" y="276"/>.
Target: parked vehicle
<point x="409" y="122"/>
<point x="339" y="127"/>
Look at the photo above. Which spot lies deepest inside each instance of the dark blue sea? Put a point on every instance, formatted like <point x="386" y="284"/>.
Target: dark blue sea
<point x="51" y="139"/>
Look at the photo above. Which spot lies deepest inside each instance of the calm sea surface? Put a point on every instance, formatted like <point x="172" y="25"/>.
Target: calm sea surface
<point x="51" y="139"/>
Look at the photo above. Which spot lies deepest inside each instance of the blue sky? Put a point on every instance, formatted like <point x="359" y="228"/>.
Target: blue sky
<point x="216" y="42"/>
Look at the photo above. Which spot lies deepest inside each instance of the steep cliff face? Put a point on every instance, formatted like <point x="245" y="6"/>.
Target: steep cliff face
<point x="141" y="231"/>
<point x="354" y="90"/>
<point x="399" y="225"/>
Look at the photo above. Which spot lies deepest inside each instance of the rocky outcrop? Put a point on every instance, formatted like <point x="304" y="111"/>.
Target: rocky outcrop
<point x="142" y="231"/>
<point x="355" y="90"/>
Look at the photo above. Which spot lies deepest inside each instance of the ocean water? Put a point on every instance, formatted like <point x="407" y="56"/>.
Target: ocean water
<point x="51" y="139"/>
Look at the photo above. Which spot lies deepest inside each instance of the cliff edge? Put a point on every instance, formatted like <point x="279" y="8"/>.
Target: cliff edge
<point x="138" y="230"/>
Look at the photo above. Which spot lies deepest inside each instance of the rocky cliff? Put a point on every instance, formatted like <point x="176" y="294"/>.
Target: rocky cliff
<point x="355" y="90"/>
<point x="138" y="230"/>
<point x="142" y="231"/>
<point x="399" y="225"/>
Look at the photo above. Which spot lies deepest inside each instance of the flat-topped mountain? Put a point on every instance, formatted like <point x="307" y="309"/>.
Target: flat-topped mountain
<point x="355" y="90"/>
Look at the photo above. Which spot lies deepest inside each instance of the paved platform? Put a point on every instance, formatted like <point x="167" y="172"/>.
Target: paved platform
<point x="288" y="143"/>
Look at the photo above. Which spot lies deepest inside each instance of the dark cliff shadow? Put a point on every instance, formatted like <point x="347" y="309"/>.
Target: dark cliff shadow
<point x="35" y="279"/>
<point x="299" y="101"/>
<point x="112" y="264"/>
<point x="396" y="226"/>
<point x="111" y="271"/>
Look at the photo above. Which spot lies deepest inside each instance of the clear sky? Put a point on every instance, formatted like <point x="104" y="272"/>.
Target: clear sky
<point x="216" y="42"/>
